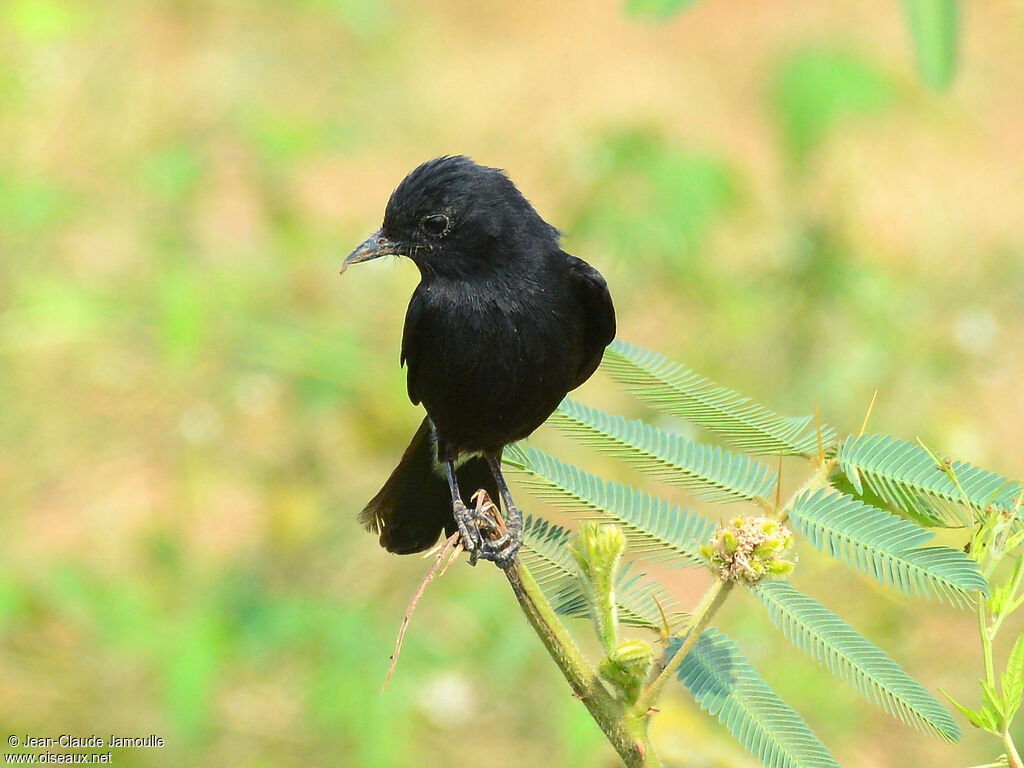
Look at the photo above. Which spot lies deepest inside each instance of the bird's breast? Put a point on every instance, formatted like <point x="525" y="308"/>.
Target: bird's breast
<point x="493" y="367"/>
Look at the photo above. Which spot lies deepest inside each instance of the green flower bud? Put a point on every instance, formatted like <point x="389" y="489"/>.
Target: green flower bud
<point x="767" y="548"/>
<point x="635" y="654"/>
<point x="627" y="666"/>
<point x="729" y="542"/>
<point x="779" y="568"/>
<point x="598" y="550"/>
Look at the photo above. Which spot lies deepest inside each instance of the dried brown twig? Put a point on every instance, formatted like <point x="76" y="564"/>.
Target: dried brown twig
<point x="494" y="527"/>
<point x="451" y="545"/>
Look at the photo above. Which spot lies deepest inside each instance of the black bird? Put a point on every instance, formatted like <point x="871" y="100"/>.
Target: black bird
<point x="502" y="325"/>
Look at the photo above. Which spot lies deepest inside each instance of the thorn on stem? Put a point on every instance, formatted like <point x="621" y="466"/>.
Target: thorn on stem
<point x="821" y="442"/>
<point x="867" y="416"/>
<point x="778" y="487"/>
<point x="666" y="631"/>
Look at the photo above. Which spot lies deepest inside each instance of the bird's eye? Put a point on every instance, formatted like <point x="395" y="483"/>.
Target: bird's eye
<point x="435" y="225"/>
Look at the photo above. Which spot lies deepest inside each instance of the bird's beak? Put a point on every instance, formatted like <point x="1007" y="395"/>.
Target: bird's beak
<point x="375" y="246"/>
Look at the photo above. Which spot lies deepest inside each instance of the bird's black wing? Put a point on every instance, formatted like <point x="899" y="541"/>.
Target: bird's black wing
<point x="599" y="315"/>
<point x="412" y="344"/>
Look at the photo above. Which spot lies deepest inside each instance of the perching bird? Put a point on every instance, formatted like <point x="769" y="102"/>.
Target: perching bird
<point x="501" y="326"/>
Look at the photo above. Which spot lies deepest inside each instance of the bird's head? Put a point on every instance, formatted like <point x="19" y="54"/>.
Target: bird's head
<point x="453" y="217"/>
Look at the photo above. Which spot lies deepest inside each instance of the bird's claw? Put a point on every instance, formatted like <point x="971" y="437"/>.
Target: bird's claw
<point x="469" y="530"/>
<point x="502" y="537"/>
<point x="486" y="535"/>
<point x="502" y="551"/>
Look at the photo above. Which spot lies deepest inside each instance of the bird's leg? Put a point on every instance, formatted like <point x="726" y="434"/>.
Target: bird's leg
<point x="465" y="519"/>
<point x="503" y="550"/>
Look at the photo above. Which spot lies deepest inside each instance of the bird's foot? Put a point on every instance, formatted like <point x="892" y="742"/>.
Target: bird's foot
<point x="502" y="551"/>
<point x="469" y="530"/>
<point x="500" y="540"/>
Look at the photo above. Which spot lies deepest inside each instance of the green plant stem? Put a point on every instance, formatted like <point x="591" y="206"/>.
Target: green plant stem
<point x="986" y="642"/>
<point x="699" y="620"/>
<point x="1013" y="602"/>
<point x="1011" y="750"/>
<point x="627" y="733"/>
<point x="988" y="632"/>
<point x="818" y="479"/>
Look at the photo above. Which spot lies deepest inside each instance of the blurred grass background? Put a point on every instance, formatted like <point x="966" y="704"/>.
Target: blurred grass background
<point x="193" y="407"/>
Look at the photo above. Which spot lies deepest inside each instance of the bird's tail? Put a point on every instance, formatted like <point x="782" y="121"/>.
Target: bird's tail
<point x="414" y="505"/>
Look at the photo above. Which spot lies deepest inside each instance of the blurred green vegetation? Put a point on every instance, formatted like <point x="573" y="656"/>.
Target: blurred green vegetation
<point x="193" y="407"/>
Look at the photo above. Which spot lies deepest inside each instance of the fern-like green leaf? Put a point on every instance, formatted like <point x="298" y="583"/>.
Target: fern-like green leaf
<point x="739" y="421"/>
<point x="727" y="686"/>
<point x="885" y="546"/>
<point x="640" y="601"/>
<point x="834" y="644"/>
<point x="711" y="472"/>
<point x="1012" y="681"/>
<point x="906" y="476"/>
<point x="655" y="529"/>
